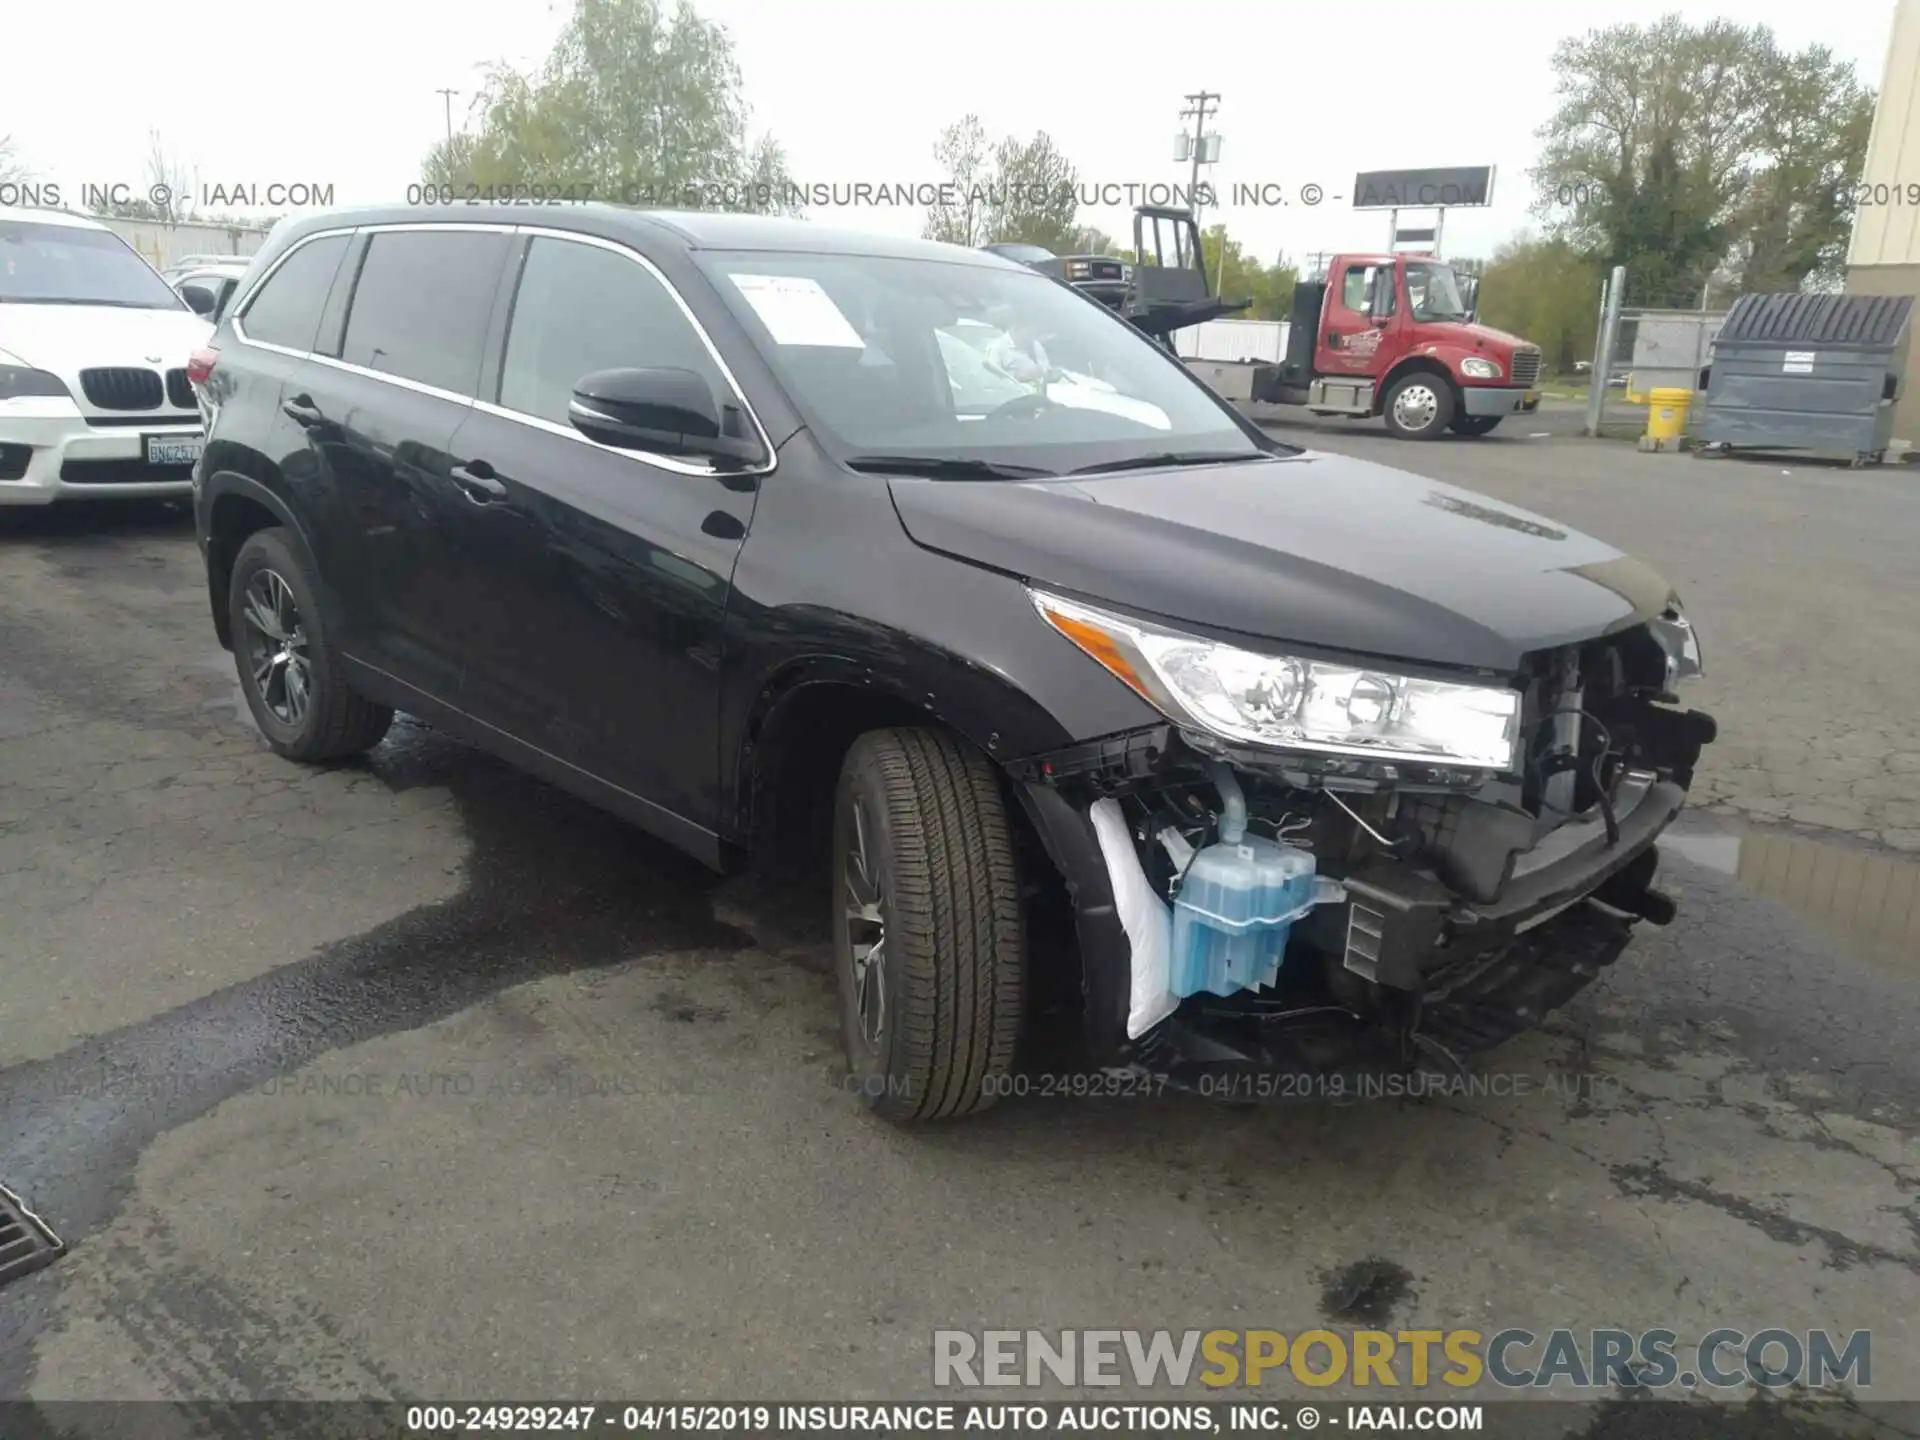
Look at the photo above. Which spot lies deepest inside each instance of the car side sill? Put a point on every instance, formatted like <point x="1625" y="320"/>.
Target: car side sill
<point x="664" y="824"/>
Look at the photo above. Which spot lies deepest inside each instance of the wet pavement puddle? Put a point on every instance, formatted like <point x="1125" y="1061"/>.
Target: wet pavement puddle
<point x="1867" y="899"/>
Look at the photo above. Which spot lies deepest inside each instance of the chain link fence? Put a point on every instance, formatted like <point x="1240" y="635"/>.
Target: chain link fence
<point x="1651" y="337"/>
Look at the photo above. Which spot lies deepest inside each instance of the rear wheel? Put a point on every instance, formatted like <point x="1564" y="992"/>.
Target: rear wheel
<point x="1418" y="406"/>
<point x="927" y="931"/>
<point x="1475" y="424"/>
<point x="290" y="675"/>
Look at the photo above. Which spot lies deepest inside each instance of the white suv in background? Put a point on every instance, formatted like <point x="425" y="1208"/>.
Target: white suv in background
<point x="94" y="398"/>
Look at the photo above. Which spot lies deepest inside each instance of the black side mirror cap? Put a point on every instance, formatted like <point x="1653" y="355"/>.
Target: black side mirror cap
<point x="663" y="411"/>
<point x="199" y="299"/>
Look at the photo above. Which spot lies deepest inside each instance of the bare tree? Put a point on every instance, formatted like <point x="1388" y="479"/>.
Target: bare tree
<point x="963" y="214"/>
<point x="12" y="167"/>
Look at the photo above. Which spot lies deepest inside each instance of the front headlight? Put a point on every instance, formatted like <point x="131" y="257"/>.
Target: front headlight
<point x="1478" y="367"/>
<point x="1681" y="642"/>
<point x="1291" y="703"/>
<point x="19" y="381"/>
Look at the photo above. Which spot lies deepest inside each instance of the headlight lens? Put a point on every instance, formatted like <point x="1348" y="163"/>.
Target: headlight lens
<point x="1292" y="703"/>
<point x="1681" y="642"/>
<point x="17" y="382"/>
<point x="1478" y="367"/>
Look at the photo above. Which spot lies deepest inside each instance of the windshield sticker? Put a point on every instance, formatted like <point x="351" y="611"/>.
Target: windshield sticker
<point x="796" y="311"/>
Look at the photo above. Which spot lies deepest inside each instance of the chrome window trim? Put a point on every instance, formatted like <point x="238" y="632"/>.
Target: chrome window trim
<point x="243" y="303"/>
<point x="665" y="462"/>
<point x="536" y="422"/>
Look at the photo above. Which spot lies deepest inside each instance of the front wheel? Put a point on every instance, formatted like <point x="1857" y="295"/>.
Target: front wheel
<point x="1418" y="406"/>
<point x="1476" y="424"/>
<point x="927" y="934"/>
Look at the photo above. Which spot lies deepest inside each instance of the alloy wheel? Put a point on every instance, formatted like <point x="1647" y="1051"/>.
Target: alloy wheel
<point x="277" y="653"/>
<point x="865" y="901"/>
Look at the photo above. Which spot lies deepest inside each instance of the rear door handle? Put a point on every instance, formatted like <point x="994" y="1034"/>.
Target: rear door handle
<point x="302" y="411"/>
<point x="476" y="477"/>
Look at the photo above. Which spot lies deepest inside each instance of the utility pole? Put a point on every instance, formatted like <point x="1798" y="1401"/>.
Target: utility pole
<point x="448" y="93"/>
<point x="1199" y="106"/>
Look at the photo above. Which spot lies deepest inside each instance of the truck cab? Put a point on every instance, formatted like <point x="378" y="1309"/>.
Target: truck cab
<point x="1394" y="336"/>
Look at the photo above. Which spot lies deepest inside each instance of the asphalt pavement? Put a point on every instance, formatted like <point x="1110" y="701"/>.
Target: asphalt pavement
<point x="412" y="1078"/>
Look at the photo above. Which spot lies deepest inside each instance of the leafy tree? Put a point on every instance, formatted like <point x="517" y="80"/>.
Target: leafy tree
<point x="1795" y="220"/>
<point x="1032" y="196"/>
<point x="638" y="105"/>
<point x="1241" y="277"/>
<point x="962" y="216"/>
<point x="1679" y="150"/>
<point x="1545" y="291"/>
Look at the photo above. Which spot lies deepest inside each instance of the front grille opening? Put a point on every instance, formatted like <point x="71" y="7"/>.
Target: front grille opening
<point x="122" y="472"/>
<point x="26" y="1242"/>
<point x="179" y="392"/>
<point x="122" y="387"/>
<point x="13" y="461"/>
<point x="1526" y="367"/>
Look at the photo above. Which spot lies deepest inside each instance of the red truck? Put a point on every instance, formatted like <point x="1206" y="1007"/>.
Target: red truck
<point x="1386" y="335"/>
<point x="1394" y="336"/>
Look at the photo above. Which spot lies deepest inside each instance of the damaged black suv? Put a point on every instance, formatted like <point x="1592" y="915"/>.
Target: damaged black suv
<point x="914" y="568"/>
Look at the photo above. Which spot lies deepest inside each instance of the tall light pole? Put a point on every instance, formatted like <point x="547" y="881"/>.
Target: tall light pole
<point x="448" y="93"/>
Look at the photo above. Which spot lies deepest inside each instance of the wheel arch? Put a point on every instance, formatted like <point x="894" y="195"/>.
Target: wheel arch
<point x="807" y="713"/>
<point x="237" y="506"/>
<point x="1411" y="365"/>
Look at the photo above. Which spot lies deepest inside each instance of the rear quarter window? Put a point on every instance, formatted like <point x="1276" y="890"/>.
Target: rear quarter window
<point x="287" y="309"/>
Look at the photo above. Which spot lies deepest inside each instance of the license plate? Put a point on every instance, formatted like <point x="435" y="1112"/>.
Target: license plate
<point x="173" y="449"/>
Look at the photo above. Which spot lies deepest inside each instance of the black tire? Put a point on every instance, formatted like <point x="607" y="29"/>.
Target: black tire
<point x="1425" y="419"/>
<point x="333" y="722"/>
<point x="1476" y="424"/>
<point x="938" y="1036"/>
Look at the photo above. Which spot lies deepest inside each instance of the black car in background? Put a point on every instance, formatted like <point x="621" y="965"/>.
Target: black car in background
<point x="1104" y="277"/>
<point x="732" y="525"/>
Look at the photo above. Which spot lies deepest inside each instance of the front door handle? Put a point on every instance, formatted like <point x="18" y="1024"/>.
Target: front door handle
<point x="479" y="482"/>
<point x="302" y="411"/>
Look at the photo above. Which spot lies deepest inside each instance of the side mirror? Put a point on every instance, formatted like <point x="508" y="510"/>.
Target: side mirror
<point x="199" y="299"/>
<point x="1381" y="310"/>
<point x="667" y="411"/>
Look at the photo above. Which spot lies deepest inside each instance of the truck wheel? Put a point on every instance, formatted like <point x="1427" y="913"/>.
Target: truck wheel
<point x="1475" y="424"/>
<point x="1418" y="406"/>
<point x="929" y="948"/>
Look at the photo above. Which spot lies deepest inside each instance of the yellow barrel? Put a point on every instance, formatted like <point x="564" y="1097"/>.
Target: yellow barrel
<point x="1667" y="414"/>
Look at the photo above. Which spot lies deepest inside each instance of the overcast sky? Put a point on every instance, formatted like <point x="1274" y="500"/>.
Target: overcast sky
<point x="344" y="93"/>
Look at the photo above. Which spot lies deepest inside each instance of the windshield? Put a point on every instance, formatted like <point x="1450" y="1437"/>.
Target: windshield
<point x="945" y="361"/>
<point x="1434" y="293"/>
<point x="64" y="265"/>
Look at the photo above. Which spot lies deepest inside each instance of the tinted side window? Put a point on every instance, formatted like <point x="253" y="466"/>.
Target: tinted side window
<point x="421" y="304"/>
<point x="579" y="309"/>
<point x="287" y="309"/>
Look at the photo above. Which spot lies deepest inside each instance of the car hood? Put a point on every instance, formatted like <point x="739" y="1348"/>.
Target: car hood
<point x="1317" y="550"/>
<point x="69" y="338"/>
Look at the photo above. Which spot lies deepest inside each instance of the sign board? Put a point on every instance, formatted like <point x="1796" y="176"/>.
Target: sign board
<point x="1414" y="237"/>
<point x="1413" y="189"/>
<point x="1799" y="362"/>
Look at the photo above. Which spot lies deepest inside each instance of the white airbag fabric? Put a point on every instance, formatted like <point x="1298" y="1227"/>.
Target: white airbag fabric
<point x="1146" y="918"/>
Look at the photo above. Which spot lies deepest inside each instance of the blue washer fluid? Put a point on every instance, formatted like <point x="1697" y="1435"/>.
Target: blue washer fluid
<point x="1235" y="909"/>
